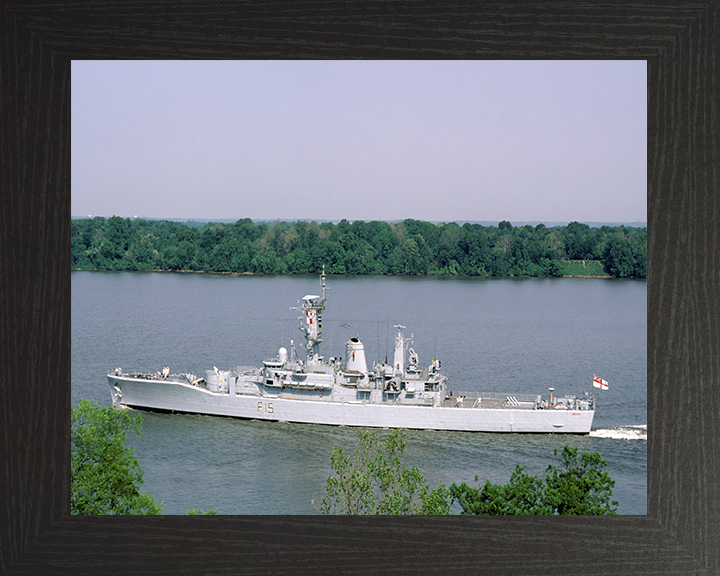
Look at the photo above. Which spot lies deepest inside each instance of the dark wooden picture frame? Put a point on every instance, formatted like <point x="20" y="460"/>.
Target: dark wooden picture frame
<point x="681" y="43"/>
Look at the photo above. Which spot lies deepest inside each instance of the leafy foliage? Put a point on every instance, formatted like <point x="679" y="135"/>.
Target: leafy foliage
<point x="374" y="481"/>
<point x="408" y="247"/>
<point x="580" y="486"/>
<point x="522" y="495"/>
<point x="625" y="255"/>
<point x="577" y="486"/>
<point x="106" y="477"/>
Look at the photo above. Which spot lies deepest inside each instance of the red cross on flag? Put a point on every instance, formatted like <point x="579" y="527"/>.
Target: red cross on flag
<point x="600" y="383"/>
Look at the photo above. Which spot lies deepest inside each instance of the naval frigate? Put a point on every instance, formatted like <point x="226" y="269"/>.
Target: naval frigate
<point x="343" y="391"/>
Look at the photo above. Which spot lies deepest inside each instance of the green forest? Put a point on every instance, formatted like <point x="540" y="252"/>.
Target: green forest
<point x="402" y="248"/>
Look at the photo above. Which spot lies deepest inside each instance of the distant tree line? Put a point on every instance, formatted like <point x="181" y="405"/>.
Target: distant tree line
<point x="408" y="247"/>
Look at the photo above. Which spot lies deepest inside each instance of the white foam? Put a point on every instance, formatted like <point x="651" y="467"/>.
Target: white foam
<point x="638" y="432"/>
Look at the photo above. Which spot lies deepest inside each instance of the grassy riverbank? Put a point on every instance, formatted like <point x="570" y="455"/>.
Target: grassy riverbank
<point x="584" y="269"/>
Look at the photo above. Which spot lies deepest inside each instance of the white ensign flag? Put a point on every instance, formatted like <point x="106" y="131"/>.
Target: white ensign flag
<point x="600" y="383"/>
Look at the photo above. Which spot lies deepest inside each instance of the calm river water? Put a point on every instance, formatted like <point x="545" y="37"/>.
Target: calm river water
<point x="496" y="335"/>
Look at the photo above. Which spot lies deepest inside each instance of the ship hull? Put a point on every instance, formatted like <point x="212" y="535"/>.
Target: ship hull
<point x="158" y="394"/>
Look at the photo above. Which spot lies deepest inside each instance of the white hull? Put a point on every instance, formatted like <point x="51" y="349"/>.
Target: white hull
<point x="159" y="394"/>
<point x="346" y="393"/>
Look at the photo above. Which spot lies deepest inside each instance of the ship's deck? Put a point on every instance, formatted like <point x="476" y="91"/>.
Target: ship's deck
<point x="491" y="400"/>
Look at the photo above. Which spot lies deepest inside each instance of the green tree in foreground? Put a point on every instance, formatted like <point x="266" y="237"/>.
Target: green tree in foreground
<point x="374" y="481"/>
<point x="106" y="477"/>
<point x="577" y="486"/>
<point x="580" y="485"/>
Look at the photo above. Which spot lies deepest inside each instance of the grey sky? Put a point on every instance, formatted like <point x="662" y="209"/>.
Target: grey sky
<point x="440" y="141"/>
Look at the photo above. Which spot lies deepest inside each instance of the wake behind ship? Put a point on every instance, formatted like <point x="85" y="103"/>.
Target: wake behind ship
<point x="343" y="391"/>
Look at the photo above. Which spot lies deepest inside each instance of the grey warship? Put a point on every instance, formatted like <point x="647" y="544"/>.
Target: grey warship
<point x="344" y="392"/>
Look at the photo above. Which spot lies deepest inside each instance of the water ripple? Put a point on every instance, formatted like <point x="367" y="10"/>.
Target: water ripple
<point x="638" y="432"/>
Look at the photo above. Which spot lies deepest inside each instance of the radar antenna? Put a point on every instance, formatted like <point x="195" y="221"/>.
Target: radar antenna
<point x="311" y="321"/>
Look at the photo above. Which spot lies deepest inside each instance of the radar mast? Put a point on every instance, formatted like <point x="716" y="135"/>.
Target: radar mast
<point x="311" y="323"/>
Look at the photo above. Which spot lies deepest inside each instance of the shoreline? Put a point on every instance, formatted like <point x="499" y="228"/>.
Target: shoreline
<point x="235" y="274"/>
